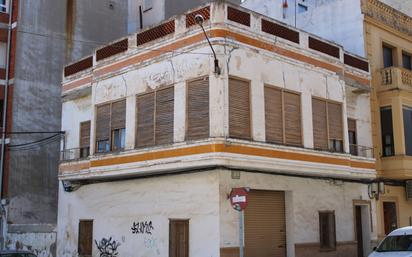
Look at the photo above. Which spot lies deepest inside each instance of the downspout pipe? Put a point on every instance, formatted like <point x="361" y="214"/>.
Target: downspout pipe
<point x="3" y="209"/>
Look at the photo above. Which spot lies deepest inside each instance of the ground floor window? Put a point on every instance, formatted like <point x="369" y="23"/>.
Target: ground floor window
<point x="179" y="238"/>
<point x="85" y="242"/>
<point x="327" y="230"/>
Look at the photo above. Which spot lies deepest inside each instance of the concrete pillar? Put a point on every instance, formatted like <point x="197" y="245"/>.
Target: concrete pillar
<point x="179" y="128"/>
<point x="307" y="125"/>
<point x="258" y="110"/>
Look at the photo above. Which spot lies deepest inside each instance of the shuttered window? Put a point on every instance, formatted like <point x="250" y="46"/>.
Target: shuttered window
<point x="239" y="109"/>
<point x="198" y="109"/>
<point x="155" y="117"/>
<point x="283" y="117"/>
<point x="353" y="148"/>
<point x="110" y="126"/>
<point x="85" y="240"/>
<point x="179" y="238"/>
<point x="265" y="224"/>
<point x="84" y="139"/>
<point x="327" y="230"/>
<point x="327" y="125"/>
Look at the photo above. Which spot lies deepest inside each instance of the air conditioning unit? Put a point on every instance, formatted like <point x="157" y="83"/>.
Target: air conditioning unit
<point x="408" y="188"/>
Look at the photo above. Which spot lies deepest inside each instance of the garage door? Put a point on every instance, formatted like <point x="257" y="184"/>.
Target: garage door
<point x="265" y="225"/>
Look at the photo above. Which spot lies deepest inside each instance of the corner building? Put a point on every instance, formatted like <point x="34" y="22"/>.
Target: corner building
<point x="156" y="140"/>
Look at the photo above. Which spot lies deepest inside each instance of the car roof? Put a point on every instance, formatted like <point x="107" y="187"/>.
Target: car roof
<point x="401" y="231"/>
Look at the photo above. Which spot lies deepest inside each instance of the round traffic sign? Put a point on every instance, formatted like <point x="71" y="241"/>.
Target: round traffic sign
<point x="238" y="198"/>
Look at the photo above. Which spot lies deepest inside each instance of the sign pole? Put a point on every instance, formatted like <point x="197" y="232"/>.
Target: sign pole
<point x="241" y="233"/>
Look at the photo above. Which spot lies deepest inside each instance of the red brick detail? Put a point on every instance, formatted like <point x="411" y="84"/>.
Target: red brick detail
<point x="15" y="10"/>
<point x="2" y="73"/>
<point x="113" y="49"/>
<point x="238" y="16"/>
<point x="78" y="66"/>
<point x="3" y="35"/>
<point x="4" y="17"/>
<point x="190" y="17"/>
<point x="13" y="52"/>
<point x="280" y="31"/>
<point x="156" y="32"/>
<point x="356" y="62"/>
<point x="324" y="47"/>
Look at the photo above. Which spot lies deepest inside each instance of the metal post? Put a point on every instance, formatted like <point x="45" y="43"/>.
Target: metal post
<point x="241" y="233"/>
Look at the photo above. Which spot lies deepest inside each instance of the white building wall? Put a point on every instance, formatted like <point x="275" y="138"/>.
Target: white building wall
<point x="114" y="206"/>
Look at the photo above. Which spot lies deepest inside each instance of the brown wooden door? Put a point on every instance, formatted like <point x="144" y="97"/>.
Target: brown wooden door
<point x="359" y="236"/>
<point x="179" y="238"/>
<point x="390" y="218"/>
<point x="265" y="224"/>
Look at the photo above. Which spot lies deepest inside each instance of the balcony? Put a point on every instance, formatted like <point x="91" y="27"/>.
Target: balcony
<point x="361" y="151"/>
<point x="396" y="167"/>
<point x="74" y="154"/>
<point x="395" y="78"/>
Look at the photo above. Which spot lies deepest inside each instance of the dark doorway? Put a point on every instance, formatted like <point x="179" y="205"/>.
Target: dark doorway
<point x="359" y="235"/>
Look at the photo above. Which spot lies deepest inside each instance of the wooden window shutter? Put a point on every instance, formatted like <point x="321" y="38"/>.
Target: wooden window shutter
<point x="145" y="107"/>
<point x="352" y="125"/>
<point x="164" y="116"/>
<point x="85" y="240"/>
<point x="198" y="109"/>
<point x="118" y="119"/>
<point x="320" y="127"/>
<point x="335" y="121"/>
<point x="273" y="115"/>
<point x="85" y="134"/>
<point x="179" y="238"/>
<point x="239" y="109"/>
<point x="103" y="122"/>
<point x="293" y="123"/>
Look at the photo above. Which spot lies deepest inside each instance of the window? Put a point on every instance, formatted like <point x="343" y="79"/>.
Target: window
<point x="407" y="125"/>
<point x="406" y="61"/>
<point x="85" y="240"/>
<point x="110" y="126"/>
<point x="302" y="8"/>
<point x="239" y="109"/>
<point x="353" y="148"/>
<point x="197" y="109"/>
<point x="84" y="139"/>
<point x="179" y="238"/>
<point x="283" y="117"/>
<point x="155" y="117"/>
<point x="327" y="230"/>
<point x="4" y="6"/>
<point x="387" y="56"/>
<point x="387" y="132"/>
<point x="3" y="55"/>
<point x="327" y="125"/>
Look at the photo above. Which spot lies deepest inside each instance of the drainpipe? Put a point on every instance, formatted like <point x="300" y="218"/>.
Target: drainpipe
<point x="4" y="130"/>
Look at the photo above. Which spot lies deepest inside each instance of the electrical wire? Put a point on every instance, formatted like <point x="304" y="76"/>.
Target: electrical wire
<point x="37" y="142"/>
<point x="97" y="43"/>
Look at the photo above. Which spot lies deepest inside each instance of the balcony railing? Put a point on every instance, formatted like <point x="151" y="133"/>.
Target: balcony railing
<point x="361" y="151"/>
<point x="74" y="154"/>
<point x="396" y="77"/>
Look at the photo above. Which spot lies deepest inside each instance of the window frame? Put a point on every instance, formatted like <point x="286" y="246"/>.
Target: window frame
<point x="109" y="140"/>
<point x="250" y="136"/>
<point x="393" y="55"/>
<point x="282" y="92"/>
<point x="383" y="144"/>
<point x="327" y="101"/>
<point x="82" y="148"/>
<point x="332" y="245"/>
<point x="4" y="8"/>
<point x="408" y="150"/>
<point x="408" y="56"/>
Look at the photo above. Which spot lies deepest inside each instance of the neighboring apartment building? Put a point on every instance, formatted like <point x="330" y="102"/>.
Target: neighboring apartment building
<point x="383" y="34"/>
<point x="44" y="36"/>
<point x="156" y="140"/>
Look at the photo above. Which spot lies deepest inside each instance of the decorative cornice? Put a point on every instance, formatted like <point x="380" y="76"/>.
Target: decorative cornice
<point x="387" y="15"/>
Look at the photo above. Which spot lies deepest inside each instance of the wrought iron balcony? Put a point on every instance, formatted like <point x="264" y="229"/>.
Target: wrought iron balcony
<point x="361" y="151"/>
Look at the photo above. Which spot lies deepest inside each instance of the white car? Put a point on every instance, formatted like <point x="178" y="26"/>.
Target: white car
<point x="397" y="244"/>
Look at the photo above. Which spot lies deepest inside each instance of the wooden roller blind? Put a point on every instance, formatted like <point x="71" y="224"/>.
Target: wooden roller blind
<point x="265" y="224"/>
<point x="145" y="120"/>
<point x="320" y="127"/>
<point x="118" y="119"/>
<point x="293" y="126"/>
<point x="198" y="109"/>
<point x="335" y="121"/>
<point x="239" y="109"/>
<point x="164" y="116"/>
<point x="103" y="122"/>
<point x="273" y="115"/>
<point x="85" y="134"/>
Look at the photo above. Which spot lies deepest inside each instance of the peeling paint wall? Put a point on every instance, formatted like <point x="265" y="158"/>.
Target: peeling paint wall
<point x="41" y="244"/>
<point x="114" y="206"/>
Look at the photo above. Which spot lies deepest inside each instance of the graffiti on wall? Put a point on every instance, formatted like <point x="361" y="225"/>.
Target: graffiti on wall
<point x="107" y="247"/>
<point x="143" y="227"/>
